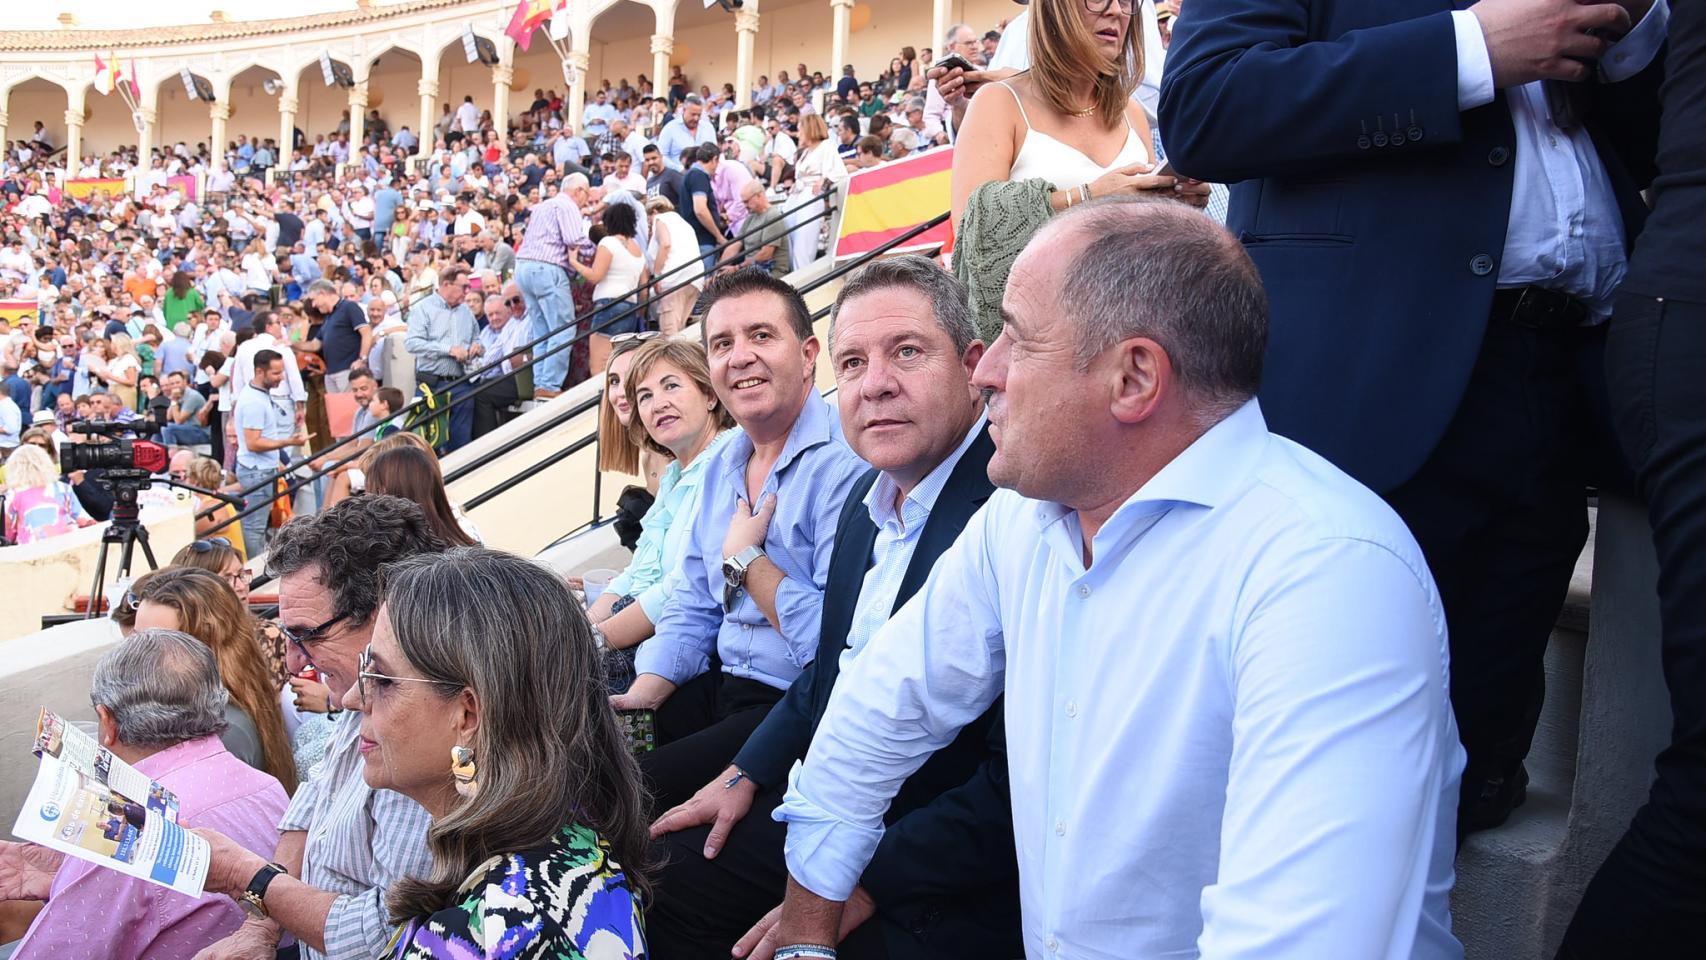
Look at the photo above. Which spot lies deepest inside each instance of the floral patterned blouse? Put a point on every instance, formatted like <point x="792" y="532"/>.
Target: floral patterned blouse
<point x="566" y="901"/>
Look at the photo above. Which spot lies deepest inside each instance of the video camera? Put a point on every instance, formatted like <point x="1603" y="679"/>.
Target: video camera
<point x="117" y="452"/>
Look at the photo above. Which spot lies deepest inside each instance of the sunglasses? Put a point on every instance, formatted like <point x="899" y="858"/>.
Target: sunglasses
<point x="203" y="546"/>
<point x="642" y="336"/>
<point x="382" y="680"/>
<point x="302" y="638"/>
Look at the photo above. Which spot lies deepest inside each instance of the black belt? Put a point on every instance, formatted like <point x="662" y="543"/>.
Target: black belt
<point x="1539" y="309"/>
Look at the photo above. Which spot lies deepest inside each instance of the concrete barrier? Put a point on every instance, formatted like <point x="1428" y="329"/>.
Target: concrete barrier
<point x="46" y="578"/>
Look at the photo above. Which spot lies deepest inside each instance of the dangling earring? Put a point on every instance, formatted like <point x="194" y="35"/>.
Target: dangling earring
<point x="462" y="769"/>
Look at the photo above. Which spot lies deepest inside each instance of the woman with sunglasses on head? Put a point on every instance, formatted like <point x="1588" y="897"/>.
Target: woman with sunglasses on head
<point x="501" y="730"/>
<point x="204" y="606"/>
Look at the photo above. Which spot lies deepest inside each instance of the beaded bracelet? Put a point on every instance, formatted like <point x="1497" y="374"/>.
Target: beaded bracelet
<point x="805" y="951"/>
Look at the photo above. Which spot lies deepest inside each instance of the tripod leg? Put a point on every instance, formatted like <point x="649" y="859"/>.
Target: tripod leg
<point x="96" y="592"/>
<point x="147" y="551"/>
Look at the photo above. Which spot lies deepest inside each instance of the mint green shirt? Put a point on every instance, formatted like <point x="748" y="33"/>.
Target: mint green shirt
<point x="652" y="574"/>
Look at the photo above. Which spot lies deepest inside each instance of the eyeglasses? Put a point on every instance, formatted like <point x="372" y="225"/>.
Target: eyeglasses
<point x="313" y="635"/>
<point x="1127" y="7"/>
<point x="642" y="336"/>
<point x="363" y="675"/>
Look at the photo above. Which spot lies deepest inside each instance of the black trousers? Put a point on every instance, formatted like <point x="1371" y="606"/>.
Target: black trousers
<point x="1500" y="512"/>
<point x="1649" y="897"/>
<point x="491" y="407"/>
<point x="699" y="730"/>
<point x="701" y="907"/>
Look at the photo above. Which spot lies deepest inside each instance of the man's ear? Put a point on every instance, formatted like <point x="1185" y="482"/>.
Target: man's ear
<point x="1142" y="375"/>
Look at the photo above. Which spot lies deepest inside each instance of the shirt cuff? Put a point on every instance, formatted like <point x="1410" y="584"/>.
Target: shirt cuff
<point x="825" y="854"/>
<point x="1639" y="46"/>
<point x="664" y="657"/>
<point x="652" y="600"/>
<point x="1474" y="66"/>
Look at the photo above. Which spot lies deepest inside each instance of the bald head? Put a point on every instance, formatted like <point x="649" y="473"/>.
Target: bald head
<point x="1163" y="271"/>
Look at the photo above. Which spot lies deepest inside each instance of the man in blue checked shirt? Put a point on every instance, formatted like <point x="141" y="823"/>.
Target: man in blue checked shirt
<point x="752" y="587"/>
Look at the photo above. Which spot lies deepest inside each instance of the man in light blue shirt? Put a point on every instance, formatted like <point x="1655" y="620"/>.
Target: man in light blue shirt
<point x="752" y="582"/>
<point x="265" y="426"/>
<point x="443" y="339"/>
<point x="1223" y="659"/>
<point x="690" y="128"/>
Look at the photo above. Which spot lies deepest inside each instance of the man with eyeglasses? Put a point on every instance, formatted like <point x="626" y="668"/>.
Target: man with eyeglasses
<point x="501" y="337"/>
<point x="342" y="843"/>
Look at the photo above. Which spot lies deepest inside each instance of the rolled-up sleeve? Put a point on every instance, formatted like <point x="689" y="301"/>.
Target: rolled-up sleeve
<point x="680" y="648"/>
<point x="932" y="669"/>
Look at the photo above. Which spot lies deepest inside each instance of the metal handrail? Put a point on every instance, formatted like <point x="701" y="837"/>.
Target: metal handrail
<point x="416" y="407"/>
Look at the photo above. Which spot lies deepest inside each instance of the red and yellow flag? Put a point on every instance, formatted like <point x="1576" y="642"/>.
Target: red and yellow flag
<point x="888" y="200"/>
<point x="529" y="14"/>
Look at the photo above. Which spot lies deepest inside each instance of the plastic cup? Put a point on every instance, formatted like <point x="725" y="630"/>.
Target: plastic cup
<point x="595" y="582"/>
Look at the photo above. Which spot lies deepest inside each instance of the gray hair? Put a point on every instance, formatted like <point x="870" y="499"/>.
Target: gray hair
<point x="954" y="31"/>
<point x="162" y="687"/>
<point x="946" y="294"/>
<point x="1156" y="269"/>
<point x="692" y="98"/>
<point x="320" y="286"/>
<point x="905" y="135"/>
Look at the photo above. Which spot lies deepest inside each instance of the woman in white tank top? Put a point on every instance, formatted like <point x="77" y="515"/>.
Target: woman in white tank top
<point x="1070" y="119"/>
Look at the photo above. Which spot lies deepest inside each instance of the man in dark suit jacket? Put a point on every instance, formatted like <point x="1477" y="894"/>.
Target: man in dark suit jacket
<point x="1440" y="220"/>
<point x="944" y="881"/>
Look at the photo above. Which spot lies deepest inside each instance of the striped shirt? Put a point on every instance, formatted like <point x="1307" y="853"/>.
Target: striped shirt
<point x="360" y="841"/>
<point x="553" y="229"/>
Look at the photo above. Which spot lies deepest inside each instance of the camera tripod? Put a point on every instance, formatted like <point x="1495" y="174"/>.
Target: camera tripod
<point x="125" y="529"/>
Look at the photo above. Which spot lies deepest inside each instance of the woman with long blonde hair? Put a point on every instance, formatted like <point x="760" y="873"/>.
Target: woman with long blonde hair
<point x="1062" y="133"/>
<point x="204" y="606"/>
<point x="124" y="370"/>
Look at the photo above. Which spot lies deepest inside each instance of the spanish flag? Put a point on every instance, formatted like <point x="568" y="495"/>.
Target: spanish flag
<point x="885" y="201"/>
<point x="529" y="14"/>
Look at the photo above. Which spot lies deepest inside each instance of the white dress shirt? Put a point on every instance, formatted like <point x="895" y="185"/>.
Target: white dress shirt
<point x="1565" y="231"/>
<point x="1228" y="737"/>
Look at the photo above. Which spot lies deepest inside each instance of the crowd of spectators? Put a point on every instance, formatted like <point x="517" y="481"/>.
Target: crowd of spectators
<point x="1037" y="639"/>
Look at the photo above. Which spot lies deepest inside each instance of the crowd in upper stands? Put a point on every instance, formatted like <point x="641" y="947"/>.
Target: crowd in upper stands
<point x="1085" y="619"/>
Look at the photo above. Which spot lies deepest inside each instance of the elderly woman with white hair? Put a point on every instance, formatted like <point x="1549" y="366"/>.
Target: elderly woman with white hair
<point x="160" y="706"/>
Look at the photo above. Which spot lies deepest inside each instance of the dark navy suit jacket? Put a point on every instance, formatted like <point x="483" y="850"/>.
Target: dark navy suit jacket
<point x="945" y="871"/>
<point x="1375" y="210"/>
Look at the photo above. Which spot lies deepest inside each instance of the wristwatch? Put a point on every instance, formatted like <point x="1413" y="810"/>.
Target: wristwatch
<point x="253" y="900"/>
<point x="734" y="573"/>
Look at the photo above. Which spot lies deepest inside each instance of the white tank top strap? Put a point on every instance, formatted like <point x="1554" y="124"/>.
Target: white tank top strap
<point x="1003" y="85"/>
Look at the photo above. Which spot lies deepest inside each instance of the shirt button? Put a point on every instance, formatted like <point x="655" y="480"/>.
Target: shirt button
<point x="1052" y="944"/>
<point x="1072" y="708"/>
<point x="1083" y="590"/>
<point x="1551" y="140"/>
<point x="1060" y="828"/>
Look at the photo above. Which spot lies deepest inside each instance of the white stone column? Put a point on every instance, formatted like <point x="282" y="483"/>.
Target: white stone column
<point x="218" y="111"/>
<point x="746" y="35"/>
<point x="502" y="74"/>
<point x="4" y="120"/>
<point x="425" y="133"/>
<point x="579" y="61"/>
<point x="145" y="136"/>
<point x="287" y="105"/>
<point x="357" y="116"/>
<point x="75" y="106"/>
<point x="663" y="45"/>
<point x="941" y="14"/>
<point x="841" y="13"/>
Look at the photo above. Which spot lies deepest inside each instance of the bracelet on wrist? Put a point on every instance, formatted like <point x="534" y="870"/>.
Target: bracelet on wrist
<point x="804" y="951"/>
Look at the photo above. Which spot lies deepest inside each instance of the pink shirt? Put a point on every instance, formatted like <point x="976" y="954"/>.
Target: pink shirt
<point x="731" y="175"/>
<point x="94" y="914"/>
